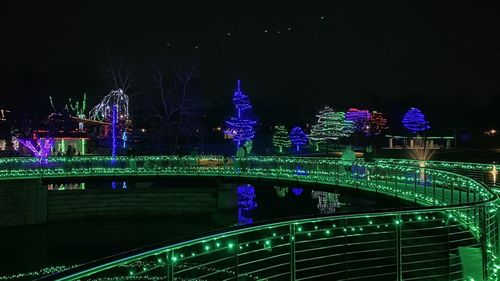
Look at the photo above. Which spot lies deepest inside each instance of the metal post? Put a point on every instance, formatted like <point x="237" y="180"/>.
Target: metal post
<point x="448" y="247"/>
<point x="484" y="249"/>
<point x="433" y="191"/>
<point x="442" y="191"/>
<point x="452" y="193"/>
<point x="399" y="258"/>
<point x="169" y="266"/>
<point x="237" y="253"/>
<point x="396" y="183"/>
<point x="415" y="187"/>
<point x="459" y="196"/>
<point x="425" y="182"/>
<point x="292" y="252"/>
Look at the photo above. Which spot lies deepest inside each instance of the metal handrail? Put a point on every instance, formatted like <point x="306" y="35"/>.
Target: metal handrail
<point x="379" y="172"/>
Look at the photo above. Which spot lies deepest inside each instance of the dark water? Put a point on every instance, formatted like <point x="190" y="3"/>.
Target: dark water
<point x="30" y="248"/>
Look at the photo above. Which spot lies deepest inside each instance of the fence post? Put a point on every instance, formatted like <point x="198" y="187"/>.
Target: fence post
<point x="452" y="193"/>
<point x="484" y="241"/>
<point x="170" y="265"/>
<point x="399" y="258"/>
<point x="292" y="252"/>
<point x="415" y="187"/>
<point x="237" y="251"/>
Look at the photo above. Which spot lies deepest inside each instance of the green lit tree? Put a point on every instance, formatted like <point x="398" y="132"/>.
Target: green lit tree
<point x="330" y="126"/>
<point x="281" y="138"/>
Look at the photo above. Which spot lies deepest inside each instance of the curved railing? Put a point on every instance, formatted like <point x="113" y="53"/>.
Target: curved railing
<point x="453" y="229"/>
<point x="485" y="173"/>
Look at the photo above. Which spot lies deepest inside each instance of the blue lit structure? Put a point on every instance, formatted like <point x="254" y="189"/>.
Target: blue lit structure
<point x="298" y="137"/>
<point x="246" y="203"/>
<point x="241" y="128"/>
<point x="359" y="118"/>
<point x="113" y="133"/>
<point x="297" y="191"/>
<point x="43" y="150"/>
<point x="414" y="121"/>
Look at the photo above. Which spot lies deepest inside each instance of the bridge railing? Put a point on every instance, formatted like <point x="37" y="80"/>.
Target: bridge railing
<point x="485" y="173"/>
<point x="454" y="217"/>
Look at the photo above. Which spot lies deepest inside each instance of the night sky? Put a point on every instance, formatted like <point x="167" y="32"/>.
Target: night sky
<point x="444" y="59"/>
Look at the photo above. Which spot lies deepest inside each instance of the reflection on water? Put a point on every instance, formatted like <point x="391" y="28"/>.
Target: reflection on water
<point x="83" y="185"/>
<point x="246" y="203"/>
<point x="122" y="184"/>
<point x="281" y="191"/>
<point x="327" y="202"/>
<point x="249" y="203"/>
<point x="286" y="202"/>
<point x="66" y="186"/>
<point x="39" y="246"/>
<point x="297" y="191"/>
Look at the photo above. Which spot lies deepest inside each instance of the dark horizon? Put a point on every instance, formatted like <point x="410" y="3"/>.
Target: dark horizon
<point x="440" y="58"/>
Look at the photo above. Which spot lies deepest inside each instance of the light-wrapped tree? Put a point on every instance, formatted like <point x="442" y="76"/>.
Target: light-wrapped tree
<point x="241" y="127"/>
<point x="414" y="121"/>
<point x="281" y="139"/>
<point x="298" y="137"/>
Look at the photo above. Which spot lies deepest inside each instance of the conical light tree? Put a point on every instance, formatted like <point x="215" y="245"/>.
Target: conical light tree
<point x="414" y="121"/>
<point x="298" y="137"/>
<point x="319" y="131"/>
<point x="241" y="128"/>
<point x="281" y="138"/>
<point x="331" y="125"/>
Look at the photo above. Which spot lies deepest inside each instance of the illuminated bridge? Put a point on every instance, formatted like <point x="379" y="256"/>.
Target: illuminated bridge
<point x="450" y="234"/>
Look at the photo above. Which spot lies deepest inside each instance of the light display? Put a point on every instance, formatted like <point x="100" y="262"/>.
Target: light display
<point x="113" y="132"/>
<point x="359" y="118"/>
<point x="297" y="191"/>
<point x="281" y="191"/>
<point x="376" y="124"/>
<point x="331" y="125"/>
<point x="78" y="108"/>
<point x="241" y="128"/>
<point x="246" y="203"/>
<point x="83" y="146"/>
<point x="3" y="144"/>
<point x="298" y="137"/>
<point x="494" y="173"/>
<point x="240" y="101"/>
<point x="104" y="110"/>
<point x="281" y="138"/>
<point x="327" y="202"/>
<point x="124" y="140"/>
<point x="43" y="149"/>
<point x="319" y="133"/>
<point x="414" y="121"/>
<point x="15" y="143"/>
<point x="456" y="211"/>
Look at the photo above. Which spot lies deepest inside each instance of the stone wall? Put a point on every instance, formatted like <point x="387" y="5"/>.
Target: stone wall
<point x="22" y="202"/>
<point x="80" y="204"/>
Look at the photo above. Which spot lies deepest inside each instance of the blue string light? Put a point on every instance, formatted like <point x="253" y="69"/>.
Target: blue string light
<point x="113" y="133"/>
<point x="241" y="128"/>
<point x="414" y="121"/>
<point x="298" y="137"/>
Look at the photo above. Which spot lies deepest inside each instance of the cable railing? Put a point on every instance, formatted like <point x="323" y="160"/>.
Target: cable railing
<point x="485" y="173"/>
<point x="451" y="230"/>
